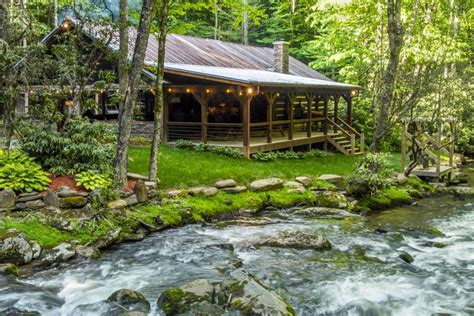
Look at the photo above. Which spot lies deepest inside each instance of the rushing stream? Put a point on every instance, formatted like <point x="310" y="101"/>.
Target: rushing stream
<point x="362" y="275"/>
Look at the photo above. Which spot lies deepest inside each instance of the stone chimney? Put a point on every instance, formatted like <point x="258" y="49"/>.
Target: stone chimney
<point x="281" y="57"/>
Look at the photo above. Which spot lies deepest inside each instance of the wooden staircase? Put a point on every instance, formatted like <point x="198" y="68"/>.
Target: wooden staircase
<point x="345" y="138"/>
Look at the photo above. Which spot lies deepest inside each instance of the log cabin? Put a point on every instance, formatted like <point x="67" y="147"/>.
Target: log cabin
<point x="229" y="94"/>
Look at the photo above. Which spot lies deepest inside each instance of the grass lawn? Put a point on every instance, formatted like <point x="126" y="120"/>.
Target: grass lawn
<point x="180" y="168"/>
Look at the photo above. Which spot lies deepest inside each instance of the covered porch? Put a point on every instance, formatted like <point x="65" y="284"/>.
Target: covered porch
<point x="258" y="110"/>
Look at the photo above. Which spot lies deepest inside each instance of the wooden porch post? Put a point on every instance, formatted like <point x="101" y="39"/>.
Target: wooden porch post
<point x="325" y="121"/>
<point x="336" y="105"/>
<point x="349" y="110"/>
<point x="246" y="124"/>
<point x="203" y="99"/>
<point x="291" y="99"/>
<point x="271" y="98"/>
<point x="166" y="109"/>
<point x="310" y="100"/>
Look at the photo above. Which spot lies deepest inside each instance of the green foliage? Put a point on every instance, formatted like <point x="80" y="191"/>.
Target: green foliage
<point x="80" y="145"/>
<point x="139" y="141"/>
<point x="93" y="180"/>
<point x="220" y="150"/>
<point x="184" y="144"/>
<point x="21" y="177"/>
<point x="287" y="155"/>
<point x="370" y="175"/>
<point x="20" y="173"/>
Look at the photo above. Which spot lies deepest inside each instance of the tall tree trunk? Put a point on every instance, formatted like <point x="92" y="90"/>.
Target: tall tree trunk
<point x="159" y="95"/>
<point x="125" y="119"/>
<point x="384" y="95"/>
<point x="216" y="19"/>
<point x="4" y="47"/>
<point x="245" y="23"/>
<point x="4" y="21"/>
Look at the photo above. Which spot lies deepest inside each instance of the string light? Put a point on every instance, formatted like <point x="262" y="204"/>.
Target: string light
<point x="169" y="90"/>
<point x="228" y="91"/>
<point x="354" y="93"/>
<point x="207" y="90"/>
<point x="249" y="90"/>
<point x="188" y="90"/>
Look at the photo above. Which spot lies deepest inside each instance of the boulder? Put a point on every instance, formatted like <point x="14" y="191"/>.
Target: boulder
<point x="140" y="234"/>
<point x="7" y="199"/>
<point x="26" y="198"/>
<point x="87" y="252"/>
<point x="331" y="199"/>
<point x="130" y="301"/>
<point x="304" y="180"/>
<point x="96" y="196"/>
<point x="131" y="200"/>
<point x="117" y="204"/>
<point x="71" y="193"/>
<point x="331" y="178"/>
<point x="36" y="249"/>
<point x="297" y="240"/>
<point x="292" y="184"/>
<point x="60" y="253"/>
<point x="402" y="178"/>
<point x="13" y="311"/>
<point x="210" y="191"/>
<point x="323" y="212"/>
<point x="246" y="294"/>
<point x="63" y="188"/>
<point x="240" y="293"/>
<point x="35" y="204"/>
<point x="175" y="193"/>
<point x="15" y="247"/>
<point x="109" y="239"/>
<point x="136" y="176"/>
<point x="461" y="190"/>
<point x="196" y="191"/>
<point x="51" y="199"/>
<point x="180" y="300"/>
<point x="237" y="189"/>
<point x="405" y="256"/>
<point x="9" y="269"/>
<point x="266" y="185"/>
<point x="299" y="190"/>
<point x="229" y="183"/>
<point x="151" y="185"/>
<point x="141" y="191"/>
<point x="72" y="201"/>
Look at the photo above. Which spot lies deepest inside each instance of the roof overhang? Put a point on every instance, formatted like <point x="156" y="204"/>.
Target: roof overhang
<point x="253" y="77"/>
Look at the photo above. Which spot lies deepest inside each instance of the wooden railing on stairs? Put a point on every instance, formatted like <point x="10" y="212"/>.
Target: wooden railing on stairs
<point x="346" y="134"/>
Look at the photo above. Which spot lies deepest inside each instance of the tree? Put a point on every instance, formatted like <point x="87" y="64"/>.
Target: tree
<point x="159" y="92"/>
<point x="131" y="93"/>
<point x="384" y="96"/>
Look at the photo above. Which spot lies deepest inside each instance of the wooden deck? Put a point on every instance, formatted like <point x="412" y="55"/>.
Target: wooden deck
<point x="431" y="172"/>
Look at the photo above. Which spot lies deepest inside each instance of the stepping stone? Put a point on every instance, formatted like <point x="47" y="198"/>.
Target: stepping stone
<point x="229" y="183"/>
<point x="266" y="184"/>
<point x="331" y="178"/>
<point x="136" y="176"/>
<point x="237" y="189"/>
<point x="304" y="180"/>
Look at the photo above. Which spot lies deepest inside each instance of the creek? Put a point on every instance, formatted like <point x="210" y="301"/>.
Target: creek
<point x="361" y="275"/>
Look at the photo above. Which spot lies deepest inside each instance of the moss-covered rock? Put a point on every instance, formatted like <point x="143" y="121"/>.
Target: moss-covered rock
<point x="9" y="269"/>
<point x="297" y="240"/>
<point x="330" y="199"/>
<point x="72" y="202"/>
<point x="130" y="300"/>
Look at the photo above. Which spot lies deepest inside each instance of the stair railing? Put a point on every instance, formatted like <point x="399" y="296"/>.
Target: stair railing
<point x="349" y="132"/>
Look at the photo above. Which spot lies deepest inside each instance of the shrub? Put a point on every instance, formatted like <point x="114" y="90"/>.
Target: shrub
<point x="227" y="151"/>
<point x="287" y="155"/>
<point x="370" y="175"/>
<point x="184" y="144"/>
<point x="93" y="180"/>
<point x="139" y="140"/>
<point x="219" y="150"/>
<point x="79" y="146"/>
<point x="23" y="177"/>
